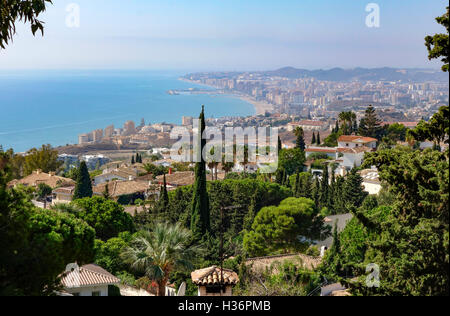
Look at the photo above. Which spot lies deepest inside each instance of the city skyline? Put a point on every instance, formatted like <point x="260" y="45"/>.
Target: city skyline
<point x="211" y="35"/>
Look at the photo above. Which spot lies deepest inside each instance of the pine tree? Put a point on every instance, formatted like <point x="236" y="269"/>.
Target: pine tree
<point x="353" y="192"/>
<point x="313" y="141"/>
<point x="200" y="216"/>
<point x="370" y="125"/>
<point x="83" y="187"/>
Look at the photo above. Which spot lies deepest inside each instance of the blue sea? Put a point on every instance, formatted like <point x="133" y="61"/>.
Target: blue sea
<point x="53" y="107"/>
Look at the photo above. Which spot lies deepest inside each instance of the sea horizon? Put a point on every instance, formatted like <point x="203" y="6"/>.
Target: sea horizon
<point x="55" y="106"/>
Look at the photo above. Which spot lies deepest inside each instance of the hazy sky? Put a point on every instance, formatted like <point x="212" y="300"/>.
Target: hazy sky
<point x="228" y="35"/>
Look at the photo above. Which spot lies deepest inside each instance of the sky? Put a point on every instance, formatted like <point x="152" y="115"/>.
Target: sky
<point x="213" y="35"/>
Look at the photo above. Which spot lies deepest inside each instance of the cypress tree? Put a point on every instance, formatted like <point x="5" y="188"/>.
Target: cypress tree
<point x="313" y="141"/>
<point x="83" y="187"/>
<point x="280" y="145"/>
<point x="297" y="185"/>
<point x="318" y="138"/>
<point x="316" y="192"/>
<point x="300" y="138"/>
<point x="324" y="188"/>
<point x="106" y="191"/>
<point x="200" y="217"/>
<point x="164" y="198"/>
<point x="132" y="160"/>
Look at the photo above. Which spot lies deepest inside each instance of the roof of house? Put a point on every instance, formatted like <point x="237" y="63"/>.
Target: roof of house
<point x="405" y="124"/>
<point x="355" y="150"/>
<point x="356" y="139"/>
<point x="181" y="178"/>
<point x="118" y="188"/>
<point x="88" y="275"/>
<point x="49" y="179"/>
<point x="65" y="190"/>
<point x="213" y="276"/>
<point x="370" y="175"/>
<point x="330" y="150"/>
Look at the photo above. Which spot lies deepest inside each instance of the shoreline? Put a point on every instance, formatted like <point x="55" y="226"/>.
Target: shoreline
<point x="261" y="107"/>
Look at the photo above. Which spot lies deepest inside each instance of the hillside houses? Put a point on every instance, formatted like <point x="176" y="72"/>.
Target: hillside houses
<point x="348" y="154"/>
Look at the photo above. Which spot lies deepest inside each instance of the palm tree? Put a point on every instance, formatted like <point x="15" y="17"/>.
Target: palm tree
<point x="157" y="253"/>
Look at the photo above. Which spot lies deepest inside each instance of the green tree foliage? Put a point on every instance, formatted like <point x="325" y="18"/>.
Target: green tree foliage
<point x="300" y="142"/>
<point x="44" y="240"/>
<point x="370" y="125"/>
<point x="83" y="187"/>
<point x="156" y="253"/>
<point x="318" y="141"/>
<point x="108" y="254"/>
<point x="287" y="227"/>
<point x="353" y="193"/>
<point x="347" y="121"/>
<point x="324" y="194"/>
<point x="164" y="197"/>
<point x="45" y="159"/>
<point x="412" y="248"/>
<point x="437" y="129"/>
<point x="105" y="216"/>
<point x="313" y="140"/>
<point x="200" y="217"/>
<point x="24" y="10"/>
<point x="155" y="170"/>
<point x="438" y="44"/>
<point x="396" y="132"/>
<point x="291" y="160"/>
<point x="43" y="190"/>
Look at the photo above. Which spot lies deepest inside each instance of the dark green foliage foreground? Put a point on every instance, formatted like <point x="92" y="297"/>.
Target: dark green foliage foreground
<point x="407" y="236"/>
<point x="13" y="10"/>
<point x="36" y="245"/>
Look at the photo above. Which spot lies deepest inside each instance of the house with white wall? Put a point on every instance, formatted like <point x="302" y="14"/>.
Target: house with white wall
<point x="88" y="280"/>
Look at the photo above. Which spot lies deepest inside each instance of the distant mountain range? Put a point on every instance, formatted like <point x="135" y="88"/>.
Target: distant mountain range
<point x="362" y="74"/>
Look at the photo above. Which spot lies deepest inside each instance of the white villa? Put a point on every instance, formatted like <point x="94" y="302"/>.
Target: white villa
<point x="88" y="280"/>
<point x="348" y="154"/>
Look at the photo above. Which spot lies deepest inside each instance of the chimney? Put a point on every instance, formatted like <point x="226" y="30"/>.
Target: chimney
<point x="170" y="171"/>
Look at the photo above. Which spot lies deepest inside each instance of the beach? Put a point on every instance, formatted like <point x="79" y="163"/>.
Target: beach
<point x="261" y="107"/>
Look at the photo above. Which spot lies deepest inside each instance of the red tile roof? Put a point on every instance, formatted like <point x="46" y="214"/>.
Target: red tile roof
<point x="213" y="275"/>
<point x="88" y="275"/>
<point x="356" y="139"/>
<point x="321" y="150"/>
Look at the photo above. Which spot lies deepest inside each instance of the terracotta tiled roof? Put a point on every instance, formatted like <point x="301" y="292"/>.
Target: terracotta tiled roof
<point x="212" y="276"/>
<point x="356" y="139"/>
<point x="118" y="188"/>
<point x="321" y="150"/>
<point x="88" y="275"/>
<point x="49" y="179"/>
<point x="66" y="190"/>
<point x="356" y="150"/>
<point x="181" y="178"/>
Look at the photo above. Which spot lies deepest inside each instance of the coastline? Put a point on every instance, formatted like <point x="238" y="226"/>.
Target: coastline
<point x="261" y="107"/>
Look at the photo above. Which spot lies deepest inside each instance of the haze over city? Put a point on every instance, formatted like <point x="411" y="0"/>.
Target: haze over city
<point x="200" y="35"/>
